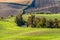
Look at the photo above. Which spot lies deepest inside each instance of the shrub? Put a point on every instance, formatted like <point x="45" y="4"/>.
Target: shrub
<point x="30" y="21"/>
<point x="56" y="23"/>
<point x="12" y="15"/>
<point x="19" y="20"/>
<point x="1" y="18"/>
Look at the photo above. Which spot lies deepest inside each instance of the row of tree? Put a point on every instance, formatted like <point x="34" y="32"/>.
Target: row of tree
<point x="37" y="22"/>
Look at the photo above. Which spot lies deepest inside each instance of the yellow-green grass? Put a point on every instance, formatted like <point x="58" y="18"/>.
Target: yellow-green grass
<point x="48" y="16"/>
<point x="25" y="16"/>
<point x="10" y="31"/>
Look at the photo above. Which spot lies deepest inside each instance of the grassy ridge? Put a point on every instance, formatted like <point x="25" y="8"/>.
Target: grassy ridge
<point x="10" y="31"/>
<point x="48" y="16"/>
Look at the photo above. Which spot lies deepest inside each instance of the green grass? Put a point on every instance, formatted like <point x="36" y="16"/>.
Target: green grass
<point x="10" y="31"/>
<point x="47" y="16"/>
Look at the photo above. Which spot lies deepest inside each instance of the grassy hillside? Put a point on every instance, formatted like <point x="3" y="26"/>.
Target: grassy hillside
<point x="47" y="16"/>
<point x="10" y="31"/>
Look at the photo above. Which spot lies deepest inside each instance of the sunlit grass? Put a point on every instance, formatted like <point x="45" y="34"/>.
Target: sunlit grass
<point x="10" y="31"/>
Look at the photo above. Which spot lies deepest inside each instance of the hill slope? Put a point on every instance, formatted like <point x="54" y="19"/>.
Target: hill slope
<point x="44" y="5"/>
<point x="7" y="9"/>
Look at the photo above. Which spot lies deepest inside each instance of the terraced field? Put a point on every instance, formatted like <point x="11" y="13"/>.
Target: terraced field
<point x="10" y="31"/>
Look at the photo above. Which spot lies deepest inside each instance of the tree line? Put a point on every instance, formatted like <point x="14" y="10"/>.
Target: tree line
<point x="37" y="22"/>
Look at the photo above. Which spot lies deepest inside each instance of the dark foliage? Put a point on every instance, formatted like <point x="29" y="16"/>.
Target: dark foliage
<point x="37" y="22"/>
<point x="19" y="20"/>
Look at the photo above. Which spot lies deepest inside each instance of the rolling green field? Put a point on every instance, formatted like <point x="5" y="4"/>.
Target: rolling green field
<point x="10" y="31"/>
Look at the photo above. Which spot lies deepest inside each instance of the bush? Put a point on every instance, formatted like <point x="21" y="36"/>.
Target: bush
<point x="1" y="18"/>
<point x="19" y="20"/>
<point x="37" y="22"/>
<point x="30" y="21"/>
<point x="56" y="23"/>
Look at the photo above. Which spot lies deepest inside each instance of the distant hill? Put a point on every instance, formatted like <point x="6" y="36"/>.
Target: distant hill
<point x="7" y="9"/>
<point x="41" y="5"/>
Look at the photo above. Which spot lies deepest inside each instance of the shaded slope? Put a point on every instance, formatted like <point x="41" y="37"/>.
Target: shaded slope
<point x="38" y="6"/>
<point x="7" y="9"/>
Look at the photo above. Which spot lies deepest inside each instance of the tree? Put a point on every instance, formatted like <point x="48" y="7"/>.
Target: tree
<point x="44" y="22"/>
<point x="37" y="22"/>
<point x="12" y="15"/>
<point x="30" y="21"/>
<point x="51" y="24"/>
<point x="19" y="20"/>
<point x="1" y="18"/>
<point x="56" y="23"/>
